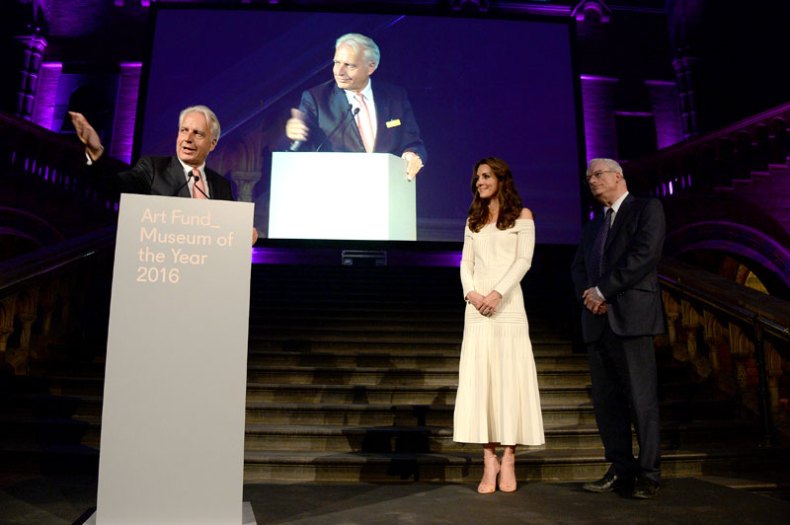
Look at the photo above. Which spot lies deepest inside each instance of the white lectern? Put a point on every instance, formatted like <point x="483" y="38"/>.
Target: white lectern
<point x="349" y="196"/>
<point x="172" y="437"/>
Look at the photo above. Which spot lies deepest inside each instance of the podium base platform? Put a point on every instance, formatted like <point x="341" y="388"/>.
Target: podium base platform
<point x="247" y="516"/>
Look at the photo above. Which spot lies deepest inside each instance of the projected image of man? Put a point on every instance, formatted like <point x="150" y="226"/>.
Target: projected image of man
<point x="352" y="113"/>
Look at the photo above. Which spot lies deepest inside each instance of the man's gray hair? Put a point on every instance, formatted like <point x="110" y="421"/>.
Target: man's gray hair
<point x="211" y="119"/>
<point x="610" y="164"/>
<point x="357" y="41"/>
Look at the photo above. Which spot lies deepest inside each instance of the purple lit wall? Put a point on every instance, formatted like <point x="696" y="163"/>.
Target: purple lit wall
<point x="600" y="132"/>
<point x="601" y="106"/>
<point x="48" y="79"/>
<point x="666" y="112"/>
<point x="125" y="111"/>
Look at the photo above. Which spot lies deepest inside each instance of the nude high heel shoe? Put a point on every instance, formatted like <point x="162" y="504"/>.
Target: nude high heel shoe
<point x="490" y="472"/>
<point x="507" y="473"/>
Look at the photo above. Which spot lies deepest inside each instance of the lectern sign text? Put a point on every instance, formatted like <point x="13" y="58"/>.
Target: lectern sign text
<point x="164" y="252"/>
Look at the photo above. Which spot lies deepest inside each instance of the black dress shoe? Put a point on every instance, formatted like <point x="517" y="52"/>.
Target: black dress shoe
<point x="645" y="488"/>
<point x="605" y="484"/>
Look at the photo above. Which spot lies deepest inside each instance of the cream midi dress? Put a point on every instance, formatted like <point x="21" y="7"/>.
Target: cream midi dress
<point x="498" y="399"/>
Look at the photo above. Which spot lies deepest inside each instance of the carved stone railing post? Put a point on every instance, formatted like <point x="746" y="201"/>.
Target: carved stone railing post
<point x="7" y="313"/>
<point x="742" y="349"/>
<point x="773" y="362"/>
<point x="18" y="358"/>
<point x="27" y="305"/>
<point x="672" y="313"/>
<point x="715" y="337"/>
<point x="46" y="308"/>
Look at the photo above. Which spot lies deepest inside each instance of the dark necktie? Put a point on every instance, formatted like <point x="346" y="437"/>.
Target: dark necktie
<point x="598" y="246"/>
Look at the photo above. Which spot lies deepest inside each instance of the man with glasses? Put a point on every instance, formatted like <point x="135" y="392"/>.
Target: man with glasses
<point x="614" y="276"/>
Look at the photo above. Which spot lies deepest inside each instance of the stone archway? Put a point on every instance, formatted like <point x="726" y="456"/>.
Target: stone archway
<point x="765" y="256"/>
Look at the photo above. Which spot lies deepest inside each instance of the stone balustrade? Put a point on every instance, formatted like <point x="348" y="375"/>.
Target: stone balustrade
<point x="54" y="295"/>
<point x="735" y="337"/>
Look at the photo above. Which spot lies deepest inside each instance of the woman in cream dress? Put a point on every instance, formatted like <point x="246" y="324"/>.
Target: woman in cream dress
<point x="497" y="403"/>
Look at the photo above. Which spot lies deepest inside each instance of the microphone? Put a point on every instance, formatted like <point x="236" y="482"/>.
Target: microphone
<point x="178" y="190"/>
<point x="350" y="111"/>
<point x="197" y="178"/>
<point x="295" y="146"/>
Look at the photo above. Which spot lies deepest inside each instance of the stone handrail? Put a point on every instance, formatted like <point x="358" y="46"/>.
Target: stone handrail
<point x="736" y="337"/>
<point x="31" y="153"/>
<point x="51" y="295"/>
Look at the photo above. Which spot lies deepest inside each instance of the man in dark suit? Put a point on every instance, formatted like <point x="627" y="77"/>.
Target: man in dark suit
<point x="184" y="175"/>
<point x="614" y="274"/>
<point x="351" y="113"/>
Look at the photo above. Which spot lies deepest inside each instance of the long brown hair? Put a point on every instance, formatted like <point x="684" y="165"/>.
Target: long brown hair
<point x="510" y="205"/>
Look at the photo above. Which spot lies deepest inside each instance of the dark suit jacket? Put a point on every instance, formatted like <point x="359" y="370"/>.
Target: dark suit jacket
<point x="158" y="176"/>
<point x="628" y="271"/>
<point x="328" y="114"/>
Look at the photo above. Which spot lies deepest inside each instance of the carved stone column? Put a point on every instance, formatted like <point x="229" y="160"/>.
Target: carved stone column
<point x="684" y="19"/>
<point x="685" y="77"/>
<point x="32" y="49"/>
<point x="245" y="182"/>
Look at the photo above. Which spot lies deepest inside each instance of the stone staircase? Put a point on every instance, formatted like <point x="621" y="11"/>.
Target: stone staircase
<point x="767" y="189"/>
<point x="351" y="376"/>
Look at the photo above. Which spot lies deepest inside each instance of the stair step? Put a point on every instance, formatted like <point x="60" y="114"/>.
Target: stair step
<point x="443" y="360"/>
<point x="535" y="465"/>
<point x="559" y="351"/>
<point x="368" y="345"/>
<point x="386" y="394"/>
<point x="439" y="439"/>
<point x="378" y="376"/>
<point x="389" y="415"/>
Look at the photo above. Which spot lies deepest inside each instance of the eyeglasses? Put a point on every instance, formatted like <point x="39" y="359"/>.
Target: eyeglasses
<point x="598" y="174"/>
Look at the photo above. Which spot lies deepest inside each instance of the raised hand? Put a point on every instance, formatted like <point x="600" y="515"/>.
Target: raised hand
<point x="295" y="128"/>
<point x="87" y="135"/>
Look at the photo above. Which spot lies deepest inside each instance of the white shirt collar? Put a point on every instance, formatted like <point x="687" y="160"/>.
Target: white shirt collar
<point x="188" y="169"/>
<point x="616" y="205"/>
<point x="367" y="91"/>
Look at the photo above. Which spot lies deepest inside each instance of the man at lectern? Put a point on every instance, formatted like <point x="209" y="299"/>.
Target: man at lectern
<point x="352" y="113"/>
<point x="184" y="175"/>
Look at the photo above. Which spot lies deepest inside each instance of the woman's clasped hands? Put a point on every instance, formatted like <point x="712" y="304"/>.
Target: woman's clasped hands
<point x="485" y="304"/>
